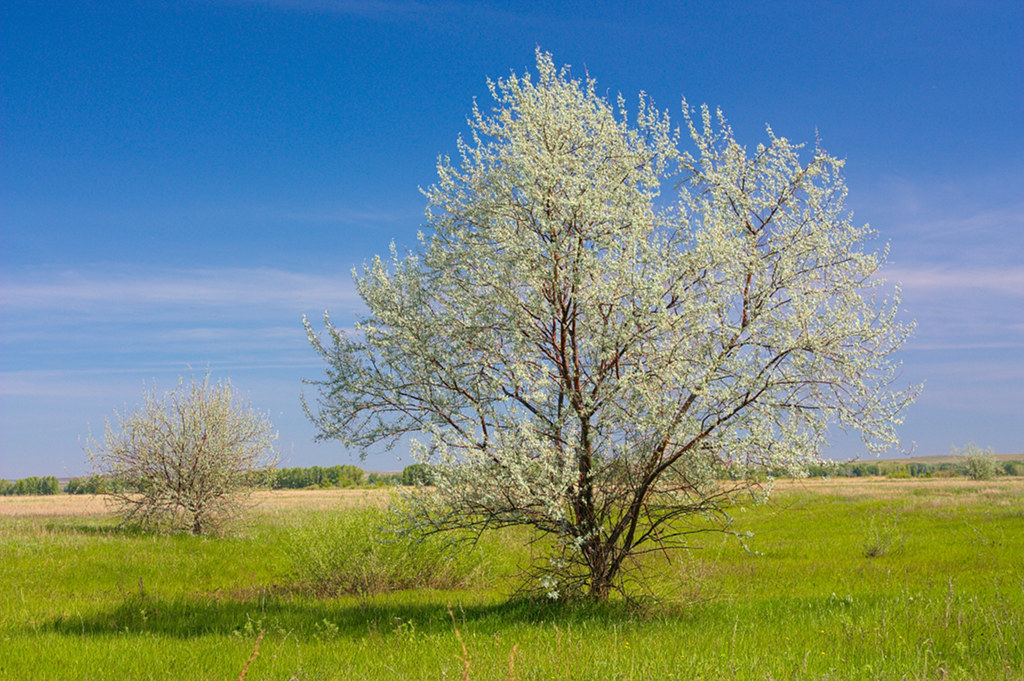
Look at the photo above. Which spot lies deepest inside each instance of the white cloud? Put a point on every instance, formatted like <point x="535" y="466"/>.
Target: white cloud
<point x="959" y="222"/>
<point x="200" y="287"/>
<point x="929" y="280"/>
<point x="143" y="321"/>
<point x="963" y="308"/>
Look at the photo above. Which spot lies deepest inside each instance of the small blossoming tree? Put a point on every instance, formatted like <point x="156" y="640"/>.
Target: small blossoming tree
<point x="579" y="354"/>
<point x="977" y="463"/>
<point x="186" y="459"/>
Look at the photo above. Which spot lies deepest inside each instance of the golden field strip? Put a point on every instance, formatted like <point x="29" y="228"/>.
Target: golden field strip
<point x="952" y="489"/>
<point x="93" y="505"/>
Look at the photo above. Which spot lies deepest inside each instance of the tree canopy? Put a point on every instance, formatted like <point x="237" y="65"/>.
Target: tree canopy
<point x="602" y="333"/>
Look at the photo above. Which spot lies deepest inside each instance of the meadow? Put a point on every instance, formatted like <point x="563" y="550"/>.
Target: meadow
<point x="842" y="579"/>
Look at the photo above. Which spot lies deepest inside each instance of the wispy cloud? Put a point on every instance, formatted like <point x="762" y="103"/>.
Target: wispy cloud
<point x="202" y="287"/>
<point x="52" y="384"/>
<point x="963" y="308"/>
<point x="130" y="318"/>
<point x="108" y="383"/>
<point x="966" y="222"/>
<point x="927" y="280"/>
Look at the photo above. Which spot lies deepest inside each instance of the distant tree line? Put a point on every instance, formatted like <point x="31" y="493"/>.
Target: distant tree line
<point x="911" y="469"/>
<point x="94" y="484"/>
<point x="420" y="474"/>
<point x="318" y="476"/>
<point x="347" y="476"/>
<point x="283" y="478"/>
<point x="31" y="485"/>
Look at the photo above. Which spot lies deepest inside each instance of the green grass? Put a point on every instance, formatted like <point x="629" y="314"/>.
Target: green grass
<point x="810" y="599"/>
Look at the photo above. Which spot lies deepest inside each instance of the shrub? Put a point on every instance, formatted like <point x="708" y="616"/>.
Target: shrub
<point x="364" y="551"/>
<point x="882" y="538"/>
<point x="977" y="464"/>
<point x="1012" y="468"/>
<point x="187" y="459"/>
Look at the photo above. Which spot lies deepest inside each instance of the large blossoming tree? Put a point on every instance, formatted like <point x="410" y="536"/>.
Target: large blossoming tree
<point x="601" y="335"/>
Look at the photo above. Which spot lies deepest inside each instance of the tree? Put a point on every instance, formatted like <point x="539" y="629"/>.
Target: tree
<point x="187" y="459"/>
<point x="582" y="356"/>
<point x="31" y="485"/>
<point x="977" y="463"/>
<point x="416" y="474"/>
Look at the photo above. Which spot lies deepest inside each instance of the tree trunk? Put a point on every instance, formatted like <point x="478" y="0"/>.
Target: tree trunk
<point x="600" y="587"/>
<point x="602" y="570"/>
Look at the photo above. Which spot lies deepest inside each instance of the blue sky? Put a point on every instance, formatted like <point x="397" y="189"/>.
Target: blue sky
<point x="182" y="181"/>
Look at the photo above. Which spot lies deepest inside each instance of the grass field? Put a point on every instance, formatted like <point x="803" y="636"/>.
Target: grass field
<point x="865" y="579"/>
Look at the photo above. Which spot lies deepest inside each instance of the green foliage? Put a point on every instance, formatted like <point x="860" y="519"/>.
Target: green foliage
<point x="94" y="484"/>
<point x="30" y="486"/>
<point x="417" y="474"/>
<point x="384" y="479"/>
<point x="822" y="470"/>
<point x="918" y="469"/>
<point x="977" y="463"/>
<point x="365" y="551"/>
<point x="315" y="476"/>
<point x="897" y="472"/>
<point x="1012" y="468"/>
<point x="859" y="470"/>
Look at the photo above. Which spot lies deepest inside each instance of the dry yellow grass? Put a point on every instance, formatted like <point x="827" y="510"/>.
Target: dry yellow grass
<point x="56" y="505"/>
<point x="891" y="488"/>
<point x="276" y="500"/>
<point x="316" y="499"/>
<point x="332" y="499"/>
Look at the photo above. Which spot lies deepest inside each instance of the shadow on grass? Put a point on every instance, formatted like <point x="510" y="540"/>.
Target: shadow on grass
<point x="311" y="619"/>
<point x="96" y="528"/>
